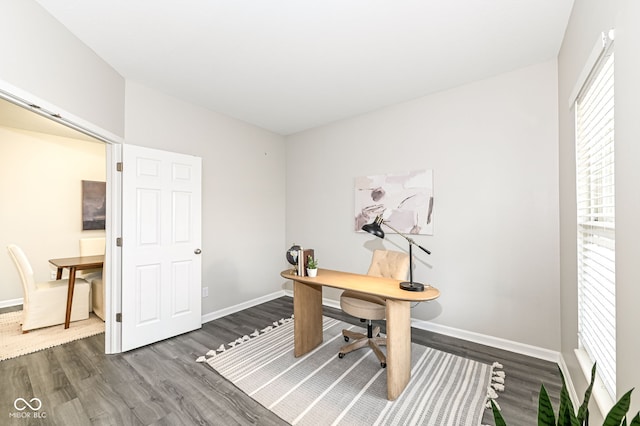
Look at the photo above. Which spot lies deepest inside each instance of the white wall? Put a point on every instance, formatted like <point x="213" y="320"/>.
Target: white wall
<point x="588" y="19"/>
<point x="243" y="191"/>
<point x="41" y="195"/>
<point x="493" y="147"/>
<point x="243" y="177"/>
<point x="42" y="57"/>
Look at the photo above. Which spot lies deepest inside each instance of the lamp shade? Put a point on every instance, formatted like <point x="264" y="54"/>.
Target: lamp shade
<point x="374" y="227"/>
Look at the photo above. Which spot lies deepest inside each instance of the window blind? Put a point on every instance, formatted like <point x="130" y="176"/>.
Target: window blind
<point x="595" y="185"/>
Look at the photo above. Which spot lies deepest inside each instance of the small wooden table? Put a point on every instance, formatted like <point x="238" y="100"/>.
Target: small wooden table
<point x="74" y="264"/>
<point x="307" y="316"/>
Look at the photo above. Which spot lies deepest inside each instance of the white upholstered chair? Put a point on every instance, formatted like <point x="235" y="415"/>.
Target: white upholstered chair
<point x="384" y="263"/>
<point x="92" y="247"/>
<point x="45" y="303"/>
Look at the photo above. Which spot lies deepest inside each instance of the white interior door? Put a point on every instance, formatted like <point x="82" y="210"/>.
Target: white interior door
<point x="161" y="237"/>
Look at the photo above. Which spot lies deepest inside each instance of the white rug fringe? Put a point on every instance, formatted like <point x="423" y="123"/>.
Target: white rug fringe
<point x="210" y="354"/>
<point x="496" y="385"/>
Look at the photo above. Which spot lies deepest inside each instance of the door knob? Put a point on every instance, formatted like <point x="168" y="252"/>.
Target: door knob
<point x="197" y="251"/>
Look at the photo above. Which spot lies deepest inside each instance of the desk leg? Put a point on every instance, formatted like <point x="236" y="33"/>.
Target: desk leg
<point x="59" y="274"/>
<point x="307" y="317"/>
<point x="398" y="347"/>
<point x="72" y="283"/>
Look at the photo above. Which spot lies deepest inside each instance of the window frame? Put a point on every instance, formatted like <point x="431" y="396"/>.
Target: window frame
<point x="598" y="220"/>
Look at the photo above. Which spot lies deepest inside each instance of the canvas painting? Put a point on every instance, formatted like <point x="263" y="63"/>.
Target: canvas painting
<point x="405" y="201"/>
<point x="93" y="205"/>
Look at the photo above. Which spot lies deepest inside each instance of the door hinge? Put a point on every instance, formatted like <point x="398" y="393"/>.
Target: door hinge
<point x="119" y="166"/>
<point x="119" y="242"/>
<point x="119" y="317"/>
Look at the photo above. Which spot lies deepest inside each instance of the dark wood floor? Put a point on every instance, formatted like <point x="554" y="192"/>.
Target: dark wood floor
<point x="161" y="384"/>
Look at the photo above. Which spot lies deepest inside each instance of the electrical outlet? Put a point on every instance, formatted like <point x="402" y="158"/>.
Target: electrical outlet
<point x="53" y="275"/>
<point x="205" y="291"/>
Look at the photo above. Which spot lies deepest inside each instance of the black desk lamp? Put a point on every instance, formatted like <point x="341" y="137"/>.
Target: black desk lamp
<point x="375" y="229"/>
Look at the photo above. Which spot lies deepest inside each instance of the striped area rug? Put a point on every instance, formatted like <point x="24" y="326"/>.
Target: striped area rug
<point x="321" y="389"/>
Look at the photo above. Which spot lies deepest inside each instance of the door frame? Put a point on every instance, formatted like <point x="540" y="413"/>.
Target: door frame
<point x="113" y="148"/>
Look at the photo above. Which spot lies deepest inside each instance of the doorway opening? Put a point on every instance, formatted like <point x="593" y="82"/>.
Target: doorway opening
<point x="16" y="113"/>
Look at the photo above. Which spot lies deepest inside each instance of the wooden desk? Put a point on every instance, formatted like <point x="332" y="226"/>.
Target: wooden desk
<point x="74" y="264"/>
<point x="307" y="322"/>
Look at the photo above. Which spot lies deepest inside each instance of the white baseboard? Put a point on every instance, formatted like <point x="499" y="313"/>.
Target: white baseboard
<point x="331" y="303"/>
<point x="483" y="339"/>
<point x="11" y="302"/>
<point x="326" y="302"/>
<point x="495" y="342"/>
<point x="569" y="383"/>
<point x="239" y="307"/>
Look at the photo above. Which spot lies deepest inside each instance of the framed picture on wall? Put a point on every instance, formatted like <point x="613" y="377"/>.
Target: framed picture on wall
<point x="94" y="197"/>
<point x="404" y="200"/>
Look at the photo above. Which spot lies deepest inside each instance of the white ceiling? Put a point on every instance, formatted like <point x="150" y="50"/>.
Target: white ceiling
<point x="290" y="65"/>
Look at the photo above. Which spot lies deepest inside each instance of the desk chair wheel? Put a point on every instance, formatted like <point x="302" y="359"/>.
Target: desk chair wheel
<point x="341" y="355"/>
<point x="346" y="338"/>
<point x="383" y="364"/>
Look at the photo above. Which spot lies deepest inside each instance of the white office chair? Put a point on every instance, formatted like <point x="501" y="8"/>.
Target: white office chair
<point x="45" y="303"/>
<point x="93" y="247"/>
<point x="387" y="264"/>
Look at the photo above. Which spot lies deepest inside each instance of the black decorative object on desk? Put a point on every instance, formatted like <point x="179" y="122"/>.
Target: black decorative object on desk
<point x="374" y="228"/>
<point x="292" y="254"/>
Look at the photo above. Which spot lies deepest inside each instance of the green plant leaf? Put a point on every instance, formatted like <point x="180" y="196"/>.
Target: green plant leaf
<point x="567" y="417"/>
<point x="618" y="411"/>
<point x="583" y="411"/>
<point x="636" y="420"/>
<point x="546" y="416"/>
<point x="566" y="413"/>
<point x="497" y="416"/>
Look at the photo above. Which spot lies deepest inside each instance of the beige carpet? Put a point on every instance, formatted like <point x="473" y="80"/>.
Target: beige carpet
<point x="13" y="343"/>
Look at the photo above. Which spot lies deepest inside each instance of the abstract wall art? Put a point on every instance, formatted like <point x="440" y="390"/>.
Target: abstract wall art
<point x="93" y="205"/>
<point x="405" y="201"/>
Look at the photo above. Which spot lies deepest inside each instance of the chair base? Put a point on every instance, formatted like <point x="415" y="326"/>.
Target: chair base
<point x="361" y="340"/>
